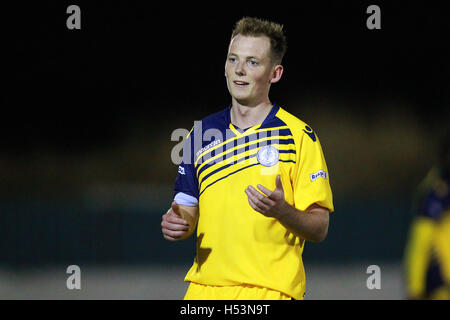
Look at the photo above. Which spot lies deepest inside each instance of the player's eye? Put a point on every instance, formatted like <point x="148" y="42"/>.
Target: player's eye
<point x="232" y="59"/>
<point x="253" y="63"/>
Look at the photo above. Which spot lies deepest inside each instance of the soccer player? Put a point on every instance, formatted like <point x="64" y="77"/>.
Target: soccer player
<point x="255" y="179"/>
<point x="427" y="253"/>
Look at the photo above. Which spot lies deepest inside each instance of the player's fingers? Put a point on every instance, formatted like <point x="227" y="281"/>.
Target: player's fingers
<point x="264" y="190"/>
<point x="262" y="206"/>
<point x="174" y="226"/>
<point x="173" y="218"/>
<point x="173" y="234"/>
<point x="255" y="193"/>
<point x="255" y="203"/>
<point x="254" y="207"/>
<point x="278" y="183"/>
<point x="262" y="198"/>
<point x="250" y="202"/>
<point x="169" y="238"/>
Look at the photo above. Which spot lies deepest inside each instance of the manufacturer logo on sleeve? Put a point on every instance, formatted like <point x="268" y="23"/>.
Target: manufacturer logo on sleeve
<point x="317" y="175"/>
<point x="310" y="133"/>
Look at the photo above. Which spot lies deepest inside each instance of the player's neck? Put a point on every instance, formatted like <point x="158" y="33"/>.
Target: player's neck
<point x="248" y="116"/>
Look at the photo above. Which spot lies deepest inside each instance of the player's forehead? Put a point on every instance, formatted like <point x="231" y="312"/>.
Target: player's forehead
<point x="250" y="46"/>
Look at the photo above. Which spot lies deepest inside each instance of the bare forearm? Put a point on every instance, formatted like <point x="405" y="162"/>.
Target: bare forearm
<point x="311" y="224"/>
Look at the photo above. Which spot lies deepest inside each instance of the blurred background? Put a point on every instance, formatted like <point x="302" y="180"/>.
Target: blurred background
<point x="87" y="117"/>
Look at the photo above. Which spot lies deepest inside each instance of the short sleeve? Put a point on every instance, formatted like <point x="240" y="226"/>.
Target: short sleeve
<point x="310" y="177"/>
<point x="186" y="183"/>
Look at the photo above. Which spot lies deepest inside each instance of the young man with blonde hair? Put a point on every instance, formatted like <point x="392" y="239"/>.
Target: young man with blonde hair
<point x="253" y="180"/>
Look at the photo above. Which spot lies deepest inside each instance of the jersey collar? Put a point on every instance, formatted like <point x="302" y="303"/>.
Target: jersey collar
<point x="239" y="132"/>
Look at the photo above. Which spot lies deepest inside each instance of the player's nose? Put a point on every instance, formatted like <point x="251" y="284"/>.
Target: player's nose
<point x="239" y="70"/>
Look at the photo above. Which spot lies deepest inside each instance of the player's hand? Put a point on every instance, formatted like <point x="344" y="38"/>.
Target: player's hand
<point x="269" y="203"/>
<point x="174" y="227"/>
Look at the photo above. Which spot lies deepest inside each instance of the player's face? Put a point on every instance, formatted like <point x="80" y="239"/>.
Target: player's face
<point x="249" y="70"/>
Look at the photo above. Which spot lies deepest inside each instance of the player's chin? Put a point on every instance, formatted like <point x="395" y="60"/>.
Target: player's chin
<point x="242" y="99"/>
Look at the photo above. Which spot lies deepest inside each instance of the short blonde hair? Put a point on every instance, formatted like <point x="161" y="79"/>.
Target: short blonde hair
<point x="255" y="27"/>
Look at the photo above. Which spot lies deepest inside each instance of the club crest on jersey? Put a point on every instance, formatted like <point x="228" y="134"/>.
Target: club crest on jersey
<point x="268" y="156"/>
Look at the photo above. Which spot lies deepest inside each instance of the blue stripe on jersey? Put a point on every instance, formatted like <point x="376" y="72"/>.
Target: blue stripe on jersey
<point x="255" y="164"/>
<point x="249" y="138"/>
<point x="209" y="185"/>
<point x="287" y="151"/>
<point x="224" y="167"/>
<point x="245" y="149"/>
<point x="293" y="161"/>
<point x="240" y="160"/>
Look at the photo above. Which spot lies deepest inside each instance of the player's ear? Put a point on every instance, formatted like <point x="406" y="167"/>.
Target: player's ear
<point x="277" y="73"/>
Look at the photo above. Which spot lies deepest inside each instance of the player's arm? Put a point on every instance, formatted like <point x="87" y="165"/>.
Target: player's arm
<point x="311" y="224"/>
<point x="179" y="222"/>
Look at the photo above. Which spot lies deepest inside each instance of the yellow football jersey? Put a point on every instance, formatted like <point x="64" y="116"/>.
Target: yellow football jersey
<point x="235" y="244"/>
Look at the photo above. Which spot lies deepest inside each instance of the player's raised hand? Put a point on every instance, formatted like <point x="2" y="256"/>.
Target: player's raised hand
<point x="174" y="227"/>
<point x="269" y="203"/>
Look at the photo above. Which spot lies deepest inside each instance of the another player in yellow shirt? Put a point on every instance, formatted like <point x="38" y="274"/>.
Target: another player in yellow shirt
<point x="255" y="179"/>
<point x="427" y="254"/>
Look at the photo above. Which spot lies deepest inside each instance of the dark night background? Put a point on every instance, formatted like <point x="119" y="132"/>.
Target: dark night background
<point x="87" y="116"/>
